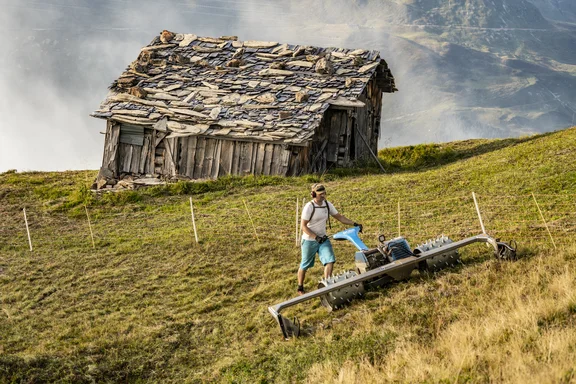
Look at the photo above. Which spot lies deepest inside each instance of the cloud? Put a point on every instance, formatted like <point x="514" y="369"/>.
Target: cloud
<point x="62" y="57"/>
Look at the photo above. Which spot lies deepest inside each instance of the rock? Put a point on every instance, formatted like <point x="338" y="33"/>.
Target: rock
<point x="105" y="173"/>
<point x="266" y="98"/>
<point x="357" y="52"/>
<point x="125" y="184"/>
<point x="198" y="107"/>
<point x="324" y="96"/>
<point x="368" y="67"/>
<point x="138" y="92"/>
<point x="301" y="96"/>
<point x="179" y="59"/>
<point x="166" y="36"/>
<point x="260" y="44"/>
<point x="275" y="72"/>
<point x="301" y="63"/>
<point x="269" y="117"/>
<point x="100" y="183"/>
<point x="239" y="52"/>
<point x="324" y="67"/>
<point x="215" y="112"/>
<point x="188" y="38"/>
<point x="234" y="63"/>
<point x="283" y="115"/>
<point x="299" y="51"/>
<point x="315" y="107"/>
<point x="349" y="81"/>
<point x="278" y="65"/>
<point x="212" y="100"/>
<point x="358" y="61"/>
<point x="126" y="81"/>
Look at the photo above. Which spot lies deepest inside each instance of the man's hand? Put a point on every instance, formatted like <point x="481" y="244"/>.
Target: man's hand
<point x="358" y="225"/>
<point x="321" y="239"/>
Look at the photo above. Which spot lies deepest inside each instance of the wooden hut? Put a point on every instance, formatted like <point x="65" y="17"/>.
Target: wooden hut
<point x="201" y="107"/>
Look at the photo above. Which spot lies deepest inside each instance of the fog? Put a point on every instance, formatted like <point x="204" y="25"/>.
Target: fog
<point x="60" y="56"/>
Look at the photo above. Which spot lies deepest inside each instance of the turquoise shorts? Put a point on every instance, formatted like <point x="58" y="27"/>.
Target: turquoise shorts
<point x="309" y="250"/>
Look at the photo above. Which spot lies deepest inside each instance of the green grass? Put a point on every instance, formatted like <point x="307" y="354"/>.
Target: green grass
<point x="150" y="305"/>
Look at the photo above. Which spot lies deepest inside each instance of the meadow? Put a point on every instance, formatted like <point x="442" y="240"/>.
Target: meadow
<point x="144" y="302"/>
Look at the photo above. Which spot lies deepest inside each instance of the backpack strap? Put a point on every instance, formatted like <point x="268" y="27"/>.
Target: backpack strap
<point x="314" y="210"/>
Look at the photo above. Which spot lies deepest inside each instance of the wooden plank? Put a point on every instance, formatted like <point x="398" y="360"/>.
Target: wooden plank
<point x="135" y="163"/>
<point x="182" y="155"/>
<point x="235" y="165"/>
<point x="125" y="157"/>
<point x="334" y="135"/>
<point x="199" y="162"/>
<point x="259" y="158"/>
<point x="208" y="158"/>
<point x="159" y="137"/>
<point x="245" y="158"/>
<point x="111" y="147"/>
<point x="169" y="164"/>
<point x="276" y="160"/>
<point x="359" y="146"/>
<point x="150" y="155"/>
<point x="142" y="162"/>
<point x="216" y="169"/>
<point x="226" y="157"/>
<point x="192" y="140"/>
<point x="268" y="152"/>
<point x="284" y="162"/>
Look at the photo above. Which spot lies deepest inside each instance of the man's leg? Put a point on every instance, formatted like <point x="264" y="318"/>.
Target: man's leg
<point x="328" y="270"/>
<point x="309" y="249"/>
<point x="327" y="257"/>
<point x="301" y="276"/>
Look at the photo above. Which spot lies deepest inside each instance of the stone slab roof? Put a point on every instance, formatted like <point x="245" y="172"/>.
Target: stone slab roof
<point x="257" y="90"/>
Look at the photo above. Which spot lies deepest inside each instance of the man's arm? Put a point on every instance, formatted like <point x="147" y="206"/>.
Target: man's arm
<point x="344" y="220"/>
<point x="305" y="229"/>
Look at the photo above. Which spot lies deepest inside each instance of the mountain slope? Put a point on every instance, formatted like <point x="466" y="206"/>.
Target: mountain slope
<point x="146" y="303"/>
<point x="502" y="67"/>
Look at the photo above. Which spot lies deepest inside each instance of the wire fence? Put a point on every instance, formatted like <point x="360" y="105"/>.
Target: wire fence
<point x="532" y="219"/>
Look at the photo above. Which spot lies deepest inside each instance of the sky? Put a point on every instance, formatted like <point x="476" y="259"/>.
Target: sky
<point x="59" y="57"/>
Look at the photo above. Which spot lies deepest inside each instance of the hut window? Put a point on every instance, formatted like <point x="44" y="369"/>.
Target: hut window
<point x="131" y="134"/>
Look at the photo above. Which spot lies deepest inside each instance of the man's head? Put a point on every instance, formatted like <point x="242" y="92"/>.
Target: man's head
<point x="318" y="190"/>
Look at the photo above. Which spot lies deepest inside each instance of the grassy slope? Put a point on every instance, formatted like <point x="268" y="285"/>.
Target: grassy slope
<point x="147" y="305"/>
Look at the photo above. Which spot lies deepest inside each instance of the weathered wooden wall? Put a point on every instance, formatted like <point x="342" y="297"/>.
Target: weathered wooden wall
<point x="201" y="157"/>
<point x="196" y="157"/>
<point x="336" y="143"/>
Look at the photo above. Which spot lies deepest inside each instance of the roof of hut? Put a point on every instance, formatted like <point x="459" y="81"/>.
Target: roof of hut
<point x="258" y="90"/>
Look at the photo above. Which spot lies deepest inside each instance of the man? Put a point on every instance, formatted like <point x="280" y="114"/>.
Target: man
<point x="314" y="239"/>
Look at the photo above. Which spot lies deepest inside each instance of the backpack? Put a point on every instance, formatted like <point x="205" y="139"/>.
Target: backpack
<point x="314" y="210"/>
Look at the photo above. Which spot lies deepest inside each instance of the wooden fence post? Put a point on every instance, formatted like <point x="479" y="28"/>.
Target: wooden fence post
<point x="90" y="227"/>
<point x="398" y="217"/>
<point x="545" y="224"/>
<point x="27" y="229"/>
<point x="250" y="217"/>
<point x="193" y="220"/>
<point x="296" y="228"/>
<point x="478" y="211"/>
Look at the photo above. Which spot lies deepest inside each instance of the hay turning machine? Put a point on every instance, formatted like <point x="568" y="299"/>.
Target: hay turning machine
<point x="390" y="261"/>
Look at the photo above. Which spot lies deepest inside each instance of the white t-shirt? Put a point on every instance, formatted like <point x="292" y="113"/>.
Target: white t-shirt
<point x="318" y="222"/>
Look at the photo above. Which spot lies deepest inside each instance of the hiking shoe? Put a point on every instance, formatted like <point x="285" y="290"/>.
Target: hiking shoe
<point x="300" y="290"/>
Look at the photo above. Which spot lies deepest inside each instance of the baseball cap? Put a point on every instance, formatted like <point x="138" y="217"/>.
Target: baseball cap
<point x="318" y="188"/>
